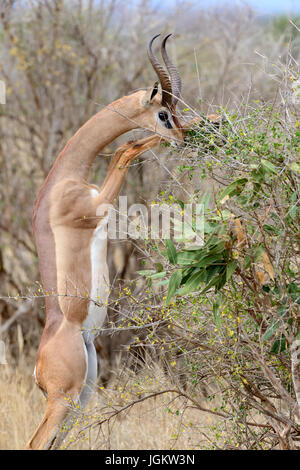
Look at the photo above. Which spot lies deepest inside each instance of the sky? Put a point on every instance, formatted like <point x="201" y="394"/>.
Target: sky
<point x="266" y="6"/>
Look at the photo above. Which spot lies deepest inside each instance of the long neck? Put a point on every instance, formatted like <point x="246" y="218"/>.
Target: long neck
<point x="75" y="162"/>
<point x="80" y="152"/>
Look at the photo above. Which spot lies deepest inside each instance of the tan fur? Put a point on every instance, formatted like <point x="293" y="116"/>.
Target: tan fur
<point x="61" y="379"/>
<point x="61" y="363"/>
<point x="64" y="220"/>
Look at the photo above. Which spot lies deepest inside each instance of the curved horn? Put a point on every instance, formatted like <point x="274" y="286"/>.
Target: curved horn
<point x="173" y="71"/>
<point x="162" y="75"/>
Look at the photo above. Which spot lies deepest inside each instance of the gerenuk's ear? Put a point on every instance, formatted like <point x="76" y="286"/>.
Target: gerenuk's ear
<point x="154" y="91"/>
<point x="149" y="95"/>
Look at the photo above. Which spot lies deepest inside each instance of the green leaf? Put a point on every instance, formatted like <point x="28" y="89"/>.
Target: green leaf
<point x="257" y="252"/>
<point x="279" y="345"/>
<point x="146" y="272"/>
<point x="217" y="248"/>
<point x="157" y="275"/>
<point x="221" y="281"/>
<point x="212" y="283"/>
<point x="193" y="282"/>
<point x="216" y="313"/>
<point x="193" y="248"/>
<point x="188" y="257"/>
<point x="271" y="229"/>
<point x="269" y="166"/>
<point x="211" y="271"/>
<point x="205" y="200"/>
<point x="180" y="202"/>
<point x="159" y="267"/>
<point x="162" y="283"/>
<point x="294" y="292"/>
<point x="174" y="283"/>
<point x="234" y="188"/>
<point x="171" y="252"/>
<point x="231" y="267"/>
<point x="273" y="327"/>
<point x="187" y="272"/>
<point x="209" y="260"/>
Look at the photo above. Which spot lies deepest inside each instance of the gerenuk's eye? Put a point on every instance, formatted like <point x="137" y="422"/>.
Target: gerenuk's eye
<point x="163" y="116"/>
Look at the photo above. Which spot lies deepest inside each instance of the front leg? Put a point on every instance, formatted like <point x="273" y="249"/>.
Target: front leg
<point x="119" y="166"/>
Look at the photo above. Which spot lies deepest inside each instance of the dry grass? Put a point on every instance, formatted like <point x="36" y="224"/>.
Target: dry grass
<point x="21" y="405"/>
<point x="157" y="423"/>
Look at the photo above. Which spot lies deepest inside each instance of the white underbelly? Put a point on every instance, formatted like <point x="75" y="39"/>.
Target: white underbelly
<point x="99" y="293"/>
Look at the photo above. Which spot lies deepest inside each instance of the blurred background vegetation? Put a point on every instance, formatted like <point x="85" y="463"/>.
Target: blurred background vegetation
<point x="63" y="61"/>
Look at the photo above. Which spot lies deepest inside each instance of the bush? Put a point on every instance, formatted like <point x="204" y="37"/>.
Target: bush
<point x="234" y="302"/>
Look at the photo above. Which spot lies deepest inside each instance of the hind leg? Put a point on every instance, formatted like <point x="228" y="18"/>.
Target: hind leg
<point x="85" y="394"/>
<point x="61" y="372"/>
